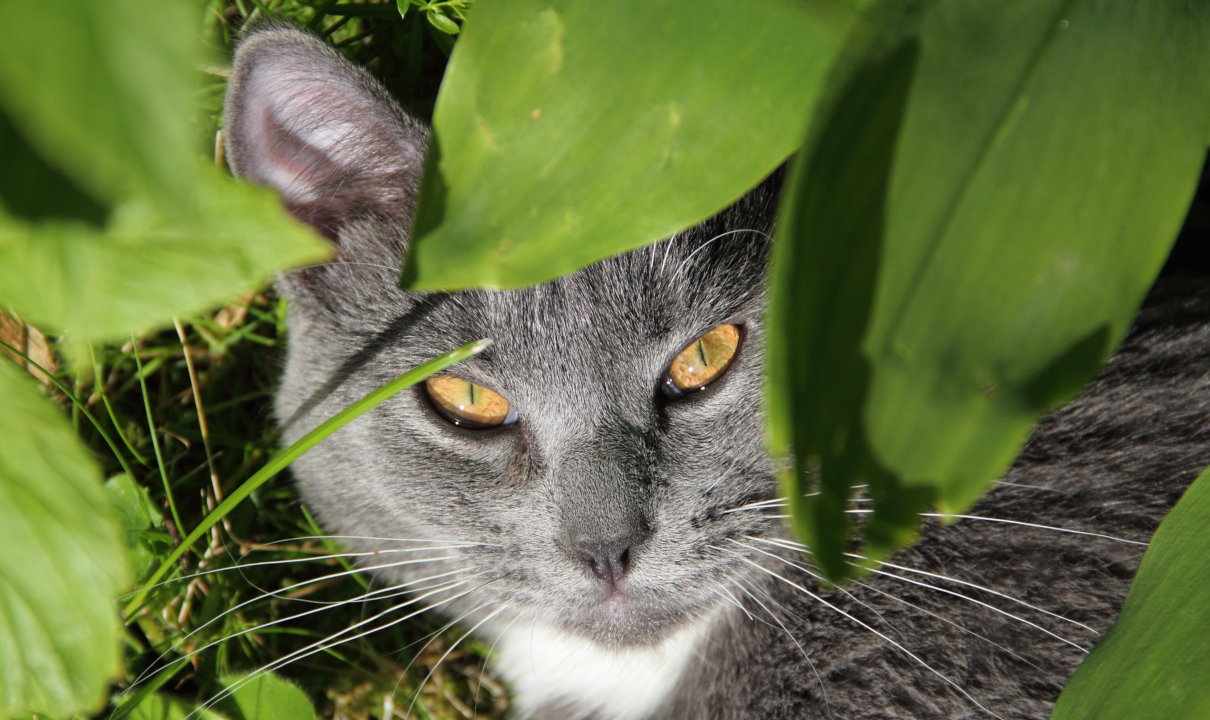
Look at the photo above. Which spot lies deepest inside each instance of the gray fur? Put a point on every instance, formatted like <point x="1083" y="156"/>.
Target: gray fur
<point x="599" y="451"/>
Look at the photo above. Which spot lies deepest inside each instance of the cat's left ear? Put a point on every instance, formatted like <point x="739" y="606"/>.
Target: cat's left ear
<point x="322" y="132"/>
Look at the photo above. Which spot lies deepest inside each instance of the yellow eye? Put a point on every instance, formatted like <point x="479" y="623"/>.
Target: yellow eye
<point x="464" y="403"/>
<point x="704" y="360"/>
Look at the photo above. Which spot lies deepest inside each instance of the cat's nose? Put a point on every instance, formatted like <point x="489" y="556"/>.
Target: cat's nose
<point x="608" y="560"/>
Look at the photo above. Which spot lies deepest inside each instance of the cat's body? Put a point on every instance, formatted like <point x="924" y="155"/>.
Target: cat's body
<point x="690" y="621"/>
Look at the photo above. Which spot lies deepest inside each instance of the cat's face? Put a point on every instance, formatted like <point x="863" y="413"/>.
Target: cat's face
<point x="600" y="497"/>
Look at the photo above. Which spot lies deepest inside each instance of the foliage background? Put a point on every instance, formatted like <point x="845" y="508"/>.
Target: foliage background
<point x="223" y="364"/>
<point x="190" y="410"/>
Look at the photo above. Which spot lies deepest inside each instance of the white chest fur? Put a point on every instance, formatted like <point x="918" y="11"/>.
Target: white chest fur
<point x="545" y="665"/>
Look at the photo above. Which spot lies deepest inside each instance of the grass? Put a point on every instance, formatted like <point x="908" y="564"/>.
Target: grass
<point x="186" y="414"/>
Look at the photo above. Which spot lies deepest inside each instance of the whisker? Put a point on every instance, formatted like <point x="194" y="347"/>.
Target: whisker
<point x="288" y="588"/>
<point x="823" y="690"/>
<point x="725" y="595"/>
<point x="983" y="518"/>
<point x="964" y="583"/>
<point x="446" y="654"/>
<point x="327" y="643"/>
<point x="290" y="561"/>
<point x="1027" y="487"/>
<point x="380" y="594"/>
<point x="759" y="505"/>
<point x="946" y="620"/>
<point x="706" y="244"/>
<point x="864" y="625"/>
<point x="483" y="668"/>
<point x="450" y="541"/>
<point x="817" y="576"/>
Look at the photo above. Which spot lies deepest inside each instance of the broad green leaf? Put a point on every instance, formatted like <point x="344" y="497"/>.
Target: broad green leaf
<point x="164" y="707"/>
<point x="110" y="222"/>
<point x="62" y="562"/>
<point x="147" y="265"/>
<point x="569" y="130"/>
<point x="140" y="519"/>
<point x="104" y="89"/>
<point x="1164" y="619"/>
<point x="265" y="697"/>
<point x="983" y="199"/>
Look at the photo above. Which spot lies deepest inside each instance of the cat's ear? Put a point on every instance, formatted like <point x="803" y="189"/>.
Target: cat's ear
<point x="320" y="131"/>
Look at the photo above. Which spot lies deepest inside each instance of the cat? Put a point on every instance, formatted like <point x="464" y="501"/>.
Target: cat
<point x="614" y="532"/>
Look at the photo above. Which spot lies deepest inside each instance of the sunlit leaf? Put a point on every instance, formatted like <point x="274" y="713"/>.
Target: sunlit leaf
<point x="569" y="130"/>
<point x="1165" y="619"/>
<point x="982" y="202"/>
<point x="163" y="707"/>
<point x="62" y="562"/>
<point x="265" y="697"/>
<point x="103" y="89"/>
<point x="148" y="266"/>
<point x="110" y="220"/>
<point x="139" y="518"/>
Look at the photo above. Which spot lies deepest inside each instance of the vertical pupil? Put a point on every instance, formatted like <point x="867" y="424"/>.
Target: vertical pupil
<point x="701" y="353"/>
<point x="470" y="392"/>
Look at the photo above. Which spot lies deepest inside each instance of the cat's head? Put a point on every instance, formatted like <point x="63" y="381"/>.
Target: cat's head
<point x="599" y="487"/>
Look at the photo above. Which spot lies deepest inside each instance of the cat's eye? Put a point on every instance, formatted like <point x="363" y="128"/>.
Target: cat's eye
<point x="703" y="361"/>
<point x="467" y="404"/>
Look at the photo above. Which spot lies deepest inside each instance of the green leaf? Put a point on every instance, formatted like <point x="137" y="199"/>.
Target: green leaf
<point x="62" y="562"/>
<point x="110" y="222"/>
<point x="443" y="23"/>
<point x="984" y="197"/>
<point x="103" y="89"/>
<point x="147" y="266"/>
<point x="164" y="707"/>
<point x="265" y="697"/>
<point x="570" y="130"/>
<point x="1164" y="618"/>
<point x="139" y="517"/>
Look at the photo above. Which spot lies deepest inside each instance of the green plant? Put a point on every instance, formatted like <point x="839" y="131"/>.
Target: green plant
<point x="902" y="206"/>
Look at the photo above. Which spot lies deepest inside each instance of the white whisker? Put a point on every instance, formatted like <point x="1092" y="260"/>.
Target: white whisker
<point x="448" y="541"/>
<point x="837" y="588"/>
<point x="292" y="561"/>
<point x="964" y="583"/>
<point x="450" y="649"/>
<point x="706" y="244"/>
<point x="381" y="594"/>
<point x="327" y="643"/>
<point x="263" y="596"/>
<point x="725" y="595"/>
<point x="823" y="690"/>
<point x="864" y="625"/>
<point x="946" y="620"/>
<point x="483" y="668"/>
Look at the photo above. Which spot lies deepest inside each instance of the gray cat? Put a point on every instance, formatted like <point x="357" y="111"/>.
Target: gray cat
<point x="598" y="475"/>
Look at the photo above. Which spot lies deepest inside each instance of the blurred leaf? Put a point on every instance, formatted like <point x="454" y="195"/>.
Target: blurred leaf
<point x="62" y="563"/>
<point x="103" y="89"/>
<point x="163" y="707"/>
<point x="438" y="20"/>
<point x="569" y="130"/>
<point x="1165" y="618"/>
<point x="982" y="201"/>
<point x="138" y="516"/>
<point x="148" y="266"/>
<point x="265" y="697"/>
<point x="109" y="221"/>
